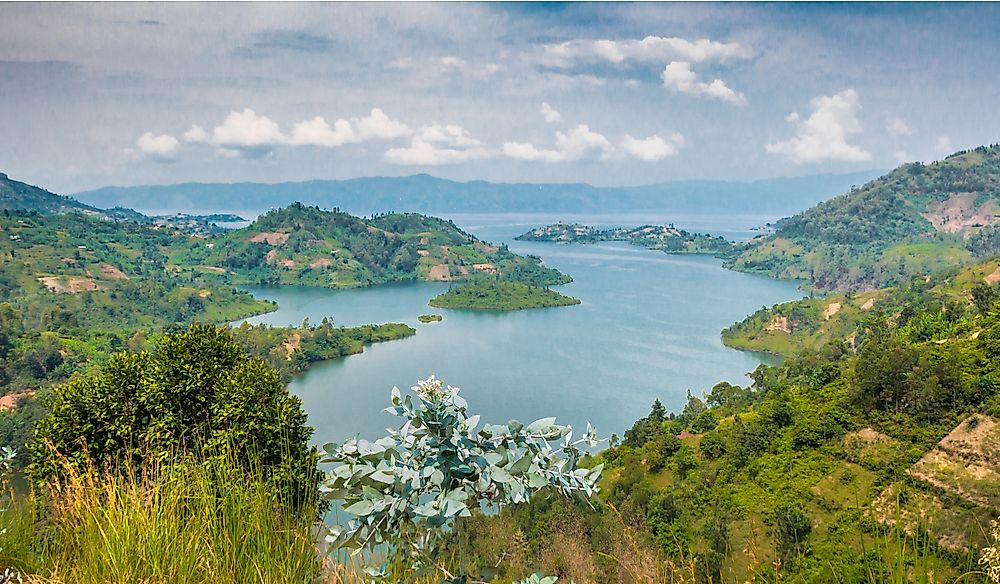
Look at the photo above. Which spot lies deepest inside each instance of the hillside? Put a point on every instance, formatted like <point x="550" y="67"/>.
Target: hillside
<point x="915" y="220"/>
<point x="666" y="238"/>
<point x="19" y="196"/>
<point x="309" y="246"/>
<point x="427" y="194"/>
<point x="810" y="323"/>
<point x="805" y="474"/>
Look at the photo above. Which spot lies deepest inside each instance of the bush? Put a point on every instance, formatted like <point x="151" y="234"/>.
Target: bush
<point x="198" y="393"/>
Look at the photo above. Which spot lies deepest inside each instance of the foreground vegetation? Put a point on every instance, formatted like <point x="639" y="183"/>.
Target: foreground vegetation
<point x="501" y="296"/>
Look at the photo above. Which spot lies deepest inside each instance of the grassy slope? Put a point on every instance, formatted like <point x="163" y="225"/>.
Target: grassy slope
<point x="786" y="329"/>
<point x="876" y="235"/>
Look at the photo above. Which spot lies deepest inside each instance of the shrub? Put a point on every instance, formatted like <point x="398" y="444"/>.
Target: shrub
<point x="406" y="489"/>
<point x="199" y="392"/>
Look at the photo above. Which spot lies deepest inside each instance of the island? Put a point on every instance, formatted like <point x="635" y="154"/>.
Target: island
<point x="666" y="238"/>
<point x="501" y="296"/>
<point x="426" y="318"/>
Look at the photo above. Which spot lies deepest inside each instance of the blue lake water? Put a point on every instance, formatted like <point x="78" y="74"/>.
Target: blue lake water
<point x="648" y="328"/>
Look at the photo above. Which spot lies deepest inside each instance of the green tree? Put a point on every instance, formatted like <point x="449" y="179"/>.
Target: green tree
<point x="197" y="393"/>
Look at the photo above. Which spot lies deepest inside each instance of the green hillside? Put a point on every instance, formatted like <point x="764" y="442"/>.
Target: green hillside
<point x="915" y="220"/>
<point x="308" y="246"/>
<point x="810" y="323"/>
<point x="18" y="196"/>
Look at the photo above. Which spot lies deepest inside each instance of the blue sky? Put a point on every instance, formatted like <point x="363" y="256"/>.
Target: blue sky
<point x="98" y="94"/>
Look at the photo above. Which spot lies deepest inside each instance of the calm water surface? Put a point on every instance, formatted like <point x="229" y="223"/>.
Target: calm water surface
<point x="648" y="328"/>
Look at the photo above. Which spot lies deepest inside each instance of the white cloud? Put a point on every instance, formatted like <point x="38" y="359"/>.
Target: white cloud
<point x="550" y="114"/>
<point x="792" y="117"/>
<point x="378" y="125"/>
<point x="943" y="145"/>
<point x="317" y="132"/>
<point x="162" y="146"/>
<point x="609" y="50"/>
<point x="823" y="135"/>
<point x="678" y="76"/>
<point x="650" y="48"/>
<point x="196" y="134"/>
<point x="246" y="129"/>
<point x="579" y="144"/>
<point x="451" y="61"/>
<point x="448" y="134"/>
<point x="902" y="156"/>
<point x="654" y="147"/>
<point x="424" y="153"/>
<point x="436" y="144"/>
<point x="897" y="127"/>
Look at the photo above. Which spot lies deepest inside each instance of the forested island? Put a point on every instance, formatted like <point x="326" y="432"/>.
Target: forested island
<point x="666" y="238"/>
<point x="497" y="295"/>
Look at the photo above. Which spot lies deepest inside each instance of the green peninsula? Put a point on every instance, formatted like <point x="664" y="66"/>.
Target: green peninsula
<point x="666" y="238"/>
<point x="309" y="246"/>
<point x="501" y="296"/>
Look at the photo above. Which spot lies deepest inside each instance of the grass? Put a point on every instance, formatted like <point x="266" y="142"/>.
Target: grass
<point x="180" y="523"/>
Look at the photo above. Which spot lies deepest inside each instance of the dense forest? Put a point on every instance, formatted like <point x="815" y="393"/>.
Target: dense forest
<point x="499" y="295"/>
<point x="915" y="220"/>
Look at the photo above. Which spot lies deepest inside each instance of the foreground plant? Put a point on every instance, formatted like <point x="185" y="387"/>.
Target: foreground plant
<point x="406" y="489"/>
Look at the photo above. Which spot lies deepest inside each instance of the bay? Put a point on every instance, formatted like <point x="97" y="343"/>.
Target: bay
<point x="648" y="328"/>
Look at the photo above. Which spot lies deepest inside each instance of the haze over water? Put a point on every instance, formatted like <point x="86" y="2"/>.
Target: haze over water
<point x="648" y="328"/>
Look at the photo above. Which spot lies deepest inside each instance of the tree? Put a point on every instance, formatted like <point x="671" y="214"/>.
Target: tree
<point x="199" y="393"/>
<point x="790" y="526"/>
<point x="407" y="489"/>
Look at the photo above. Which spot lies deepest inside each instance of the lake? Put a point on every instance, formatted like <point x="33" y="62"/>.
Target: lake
<point x="648" y="327"/>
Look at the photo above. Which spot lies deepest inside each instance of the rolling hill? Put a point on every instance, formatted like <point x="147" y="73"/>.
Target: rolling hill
<point x="914" y="220"/>
<point x="305" y="245"/>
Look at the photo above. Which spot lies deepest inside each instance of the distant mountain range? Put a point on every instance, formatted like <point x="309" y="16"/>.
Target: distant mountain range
<point x="427" y="194"/>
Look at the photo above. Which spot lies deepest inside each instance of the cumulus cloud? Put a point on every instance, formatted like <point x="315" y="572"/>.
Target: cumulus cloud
<point x="550" y="114"/>
<point x="823" y="135"/>
<point x="196" y="134"/>
<point x="650" y="48"/>
<point x="247" y="130"/>
<point x="897" y="127"/>
<point x="317" y="132"/>
<point x="678" y="76"/>
<point x="437" y="144"/>
<point x="448" y="134"/>
<point x="944" y="146"/>
<point x="654" y="147"/>
<point x="581" y="143"/>
<point x="163" y="146"/>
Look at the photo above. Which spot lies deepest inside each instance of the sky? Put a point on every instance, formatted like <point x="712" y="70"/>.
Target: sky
<point x="611" y="94"/>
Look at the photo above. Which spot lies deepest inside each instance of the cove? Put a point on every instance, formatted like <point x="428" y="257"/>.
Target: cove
<point x="648" y="327"/>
